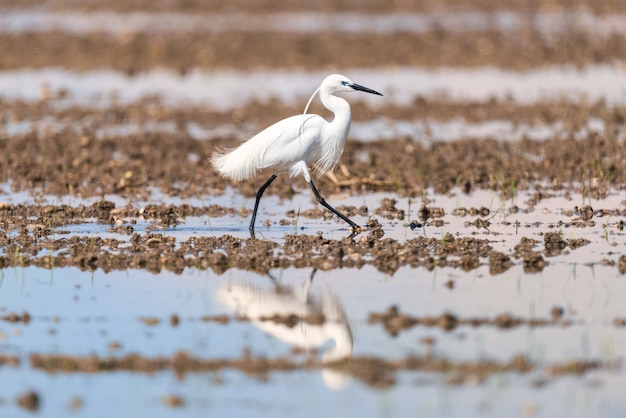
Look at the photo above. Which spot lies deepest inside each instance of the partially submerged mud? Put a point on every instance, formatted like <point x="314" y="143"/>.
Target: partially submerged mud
<point x="30" y="240"/>
<point x="29" y="401"/>
<point x="35" y="235"/>
<point x="395" y="321"/>
<point x="373" y="371"/>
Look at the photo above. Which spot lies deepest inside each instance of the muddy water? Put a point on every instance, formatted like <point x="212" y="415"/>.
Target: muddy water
<point x="489" y="283"/>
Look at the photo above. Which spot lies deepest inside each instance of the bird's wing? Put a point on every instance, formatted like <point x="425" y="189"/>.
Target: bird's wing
<point x="280" y="146"/>
<point x="290" y="140"/>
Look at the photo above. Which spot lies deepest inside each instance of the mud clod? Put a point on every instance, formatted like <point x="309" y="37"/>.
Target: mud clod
<point x="557" y="313"/>
<point x="585" y="213"/>
<point x="499" y="262"/>
<point x="14" y="318"/>
<point x="173" y="401"/>
<point x="533" y="263"/>
<point x="621" y="264"/>
<point x="29" y="401"/>
<point x="388" y="210"/>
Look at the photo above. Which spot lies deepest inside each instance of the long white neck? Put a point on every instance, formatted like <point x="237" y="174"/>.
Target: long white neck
<point x="336" y="132"/>
<point x="341" y="109"/>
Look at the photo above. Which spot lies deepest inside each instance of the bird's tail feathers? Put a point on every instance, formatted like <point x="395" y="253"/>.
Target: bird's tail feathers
<point x="228" y="163"/>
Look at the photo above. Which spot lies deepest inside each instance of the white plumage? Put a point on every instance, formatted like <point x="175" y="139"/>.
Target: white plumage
<point x="295" y="144"/>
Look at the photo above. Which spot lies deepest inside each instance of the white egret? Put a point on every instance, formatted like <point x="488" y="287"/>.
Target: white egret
<point x="295" y="143"/>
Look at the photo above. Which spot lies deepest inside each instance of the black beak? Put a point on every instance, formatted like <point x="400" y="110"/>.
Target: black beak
<point x="365" y="89"/>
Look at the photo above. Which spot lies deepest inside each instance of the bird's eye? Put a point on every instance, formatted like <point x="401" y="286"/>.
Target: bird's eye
<point x="344" y="83"/>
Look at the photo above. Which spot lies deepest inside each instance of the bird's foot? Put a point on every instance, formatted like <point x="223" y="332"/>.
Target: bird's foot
<point x="370" y="225"/>
<point x="356" y="230"/>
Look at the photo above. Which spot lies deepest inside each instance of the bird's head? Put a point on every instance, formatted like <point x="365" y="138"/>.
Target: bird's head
<point x="336" y="83"/>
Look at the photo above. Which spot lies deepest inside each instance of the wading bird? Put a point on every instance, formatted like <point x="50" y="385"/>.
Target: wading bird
<point x="295" y="143"/>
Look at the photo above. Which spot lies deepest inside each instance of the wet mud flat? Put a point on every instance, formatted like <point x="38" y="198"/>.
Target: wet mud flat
<point x="503" y="234"/>
<point x="489" y="279"/>
<point x="146" y="238"/>
<point x="81" y="164"/>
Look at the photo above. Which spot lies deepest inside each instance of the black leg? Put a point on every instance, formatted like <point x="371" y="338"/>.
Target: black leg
<point x="258" y="199"/>
<point x="321" y="200"/>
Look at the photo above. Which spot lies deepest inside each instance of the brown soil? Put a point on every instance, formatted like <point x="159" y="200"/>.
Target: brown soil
<point x="394" y="321"/>
<point x="29" y="401"/>
<point x="141" y="52"/>
<point x="38" y="227"/>
<point x="370" y="6"/>
<point x="79" y="164"/>
<point x="373" y="371"/>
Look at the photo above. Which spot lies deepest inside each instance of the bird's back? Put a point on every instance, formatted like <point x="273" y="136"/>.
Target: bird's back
<point x="280" y="146"/>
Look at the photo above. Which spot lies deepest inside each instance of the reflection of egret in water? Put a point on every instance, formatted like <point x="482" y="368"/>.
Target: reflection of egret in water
<point x="295" y="316"/>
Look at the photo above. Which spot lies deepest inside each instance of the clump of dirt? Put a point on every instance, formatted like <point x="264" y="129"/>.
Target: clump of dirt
<point x="388" y="210"/>
<point x="554" y="242"/>
<point x="291" y="320"/>
<point x="13" y="317"/>
<point x="29" y="401"/>
<point x="572" y="367"/>
<point x="533" y="261"/>
<point x="499" y="262"/>
<point x="621" y="264"/>
<point x="373" y="371"/>
<point x="220" y="319"/>
<point x="9" y="360"/>
<point x="173" y="401"/>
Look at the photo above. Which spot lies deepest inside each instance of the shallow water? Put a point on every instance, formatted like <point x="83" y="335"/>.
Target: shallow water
<point x="96" y="309"/>
<point x="76" y="312"/>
